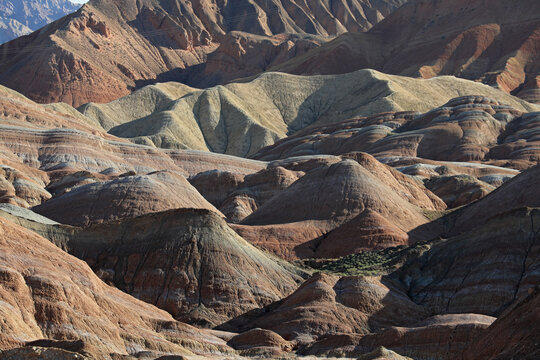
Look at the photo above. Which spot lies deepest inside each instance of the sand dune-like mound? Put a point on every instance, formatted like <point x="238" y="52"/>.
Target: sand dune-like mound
<point x="354" y="207"/>
<point x="124" y="197"/>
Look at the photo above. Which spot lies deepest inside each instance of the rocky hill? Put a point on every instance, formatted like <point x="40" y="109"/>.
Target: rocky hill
<point x="241" y="118"/>
<point x="177" y="228"/>
<point x="495" y="42"/>
<point x="21" y="17"/>
<point x="109" y="48"/>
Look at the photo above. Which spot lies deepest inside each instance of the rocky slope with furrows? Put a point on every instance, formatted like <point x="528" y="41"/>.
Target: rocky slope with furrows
<point x="489" y="257"/>
<point x="188" y="262"/>
<point x="241" y="118"/>
<point x="514" y="333"/>
<point x="49" y="294"/>
<point x="469" y="128"/>
<point x="108" y="48"/>
<point x="495" y="42"/>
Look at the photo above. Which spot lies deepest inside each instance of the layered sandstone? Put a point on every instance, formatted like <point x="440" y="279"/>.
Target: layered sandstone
<point x="188" y="262"/>
<point x="489" y="258"/>
<point x="356" y="211"/>
<point x="468" y="128"/>
<point x="326" y="304"/>
<point x="123" y="197"/>
<point x="50" y="294"/>
<point x="514" y="333"/>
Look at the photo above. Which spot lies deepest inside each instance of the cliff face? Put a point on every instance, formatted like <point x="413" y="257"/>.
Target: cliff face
<point x="108" y="48"/>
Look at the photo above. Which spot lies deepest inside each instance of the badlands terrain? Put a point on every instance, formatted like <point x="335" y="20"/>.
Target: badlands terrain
<point x="272" y="180"/>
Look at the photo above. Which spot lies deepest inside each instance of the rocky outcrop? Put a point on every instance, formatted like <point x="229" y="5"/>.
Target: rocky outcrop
<point x="108" y="48"/>
<point x="50" y="294"/>
<point x="492" y="42"/>
<point x="18" y="18"/>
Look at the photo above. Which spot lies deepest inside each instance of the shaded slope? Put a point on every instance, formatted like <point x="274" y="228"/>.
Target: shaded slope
<point x="514" y="333"/>
<point x="240" y="118"/>
<point x="491" y="256"/>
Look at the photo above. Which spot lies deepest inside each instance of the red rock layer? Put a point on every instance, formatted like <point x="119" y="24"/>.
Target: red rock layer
<point x="495" y="42"/>
<point x="470" y="128"/>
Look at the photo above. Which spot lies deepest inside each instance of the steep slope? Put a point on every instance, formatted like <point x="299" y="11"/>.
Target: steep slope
<point x="49" y="294"/>
<point x="490" y="257"/>
<point x="240" y="118"/>
<point x="514" y="333"/>
<point x="21" y="17"/>
<point x="495" y="42"/>
<point x="108" y="48"/>
<point x="188" y="262"/>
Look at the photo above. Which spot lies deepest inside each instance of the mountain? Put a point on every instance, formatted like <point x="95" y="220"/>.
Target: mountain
<point x="495" y="42"/>
<point x="241" y="118"/>
<point x="21" y="17"/>
<point x="109" y="48"/>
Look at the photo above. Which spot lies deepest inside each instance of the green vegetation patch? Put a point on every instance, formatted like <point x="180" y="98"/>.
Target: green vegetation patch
<point x="370" y="263"/>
